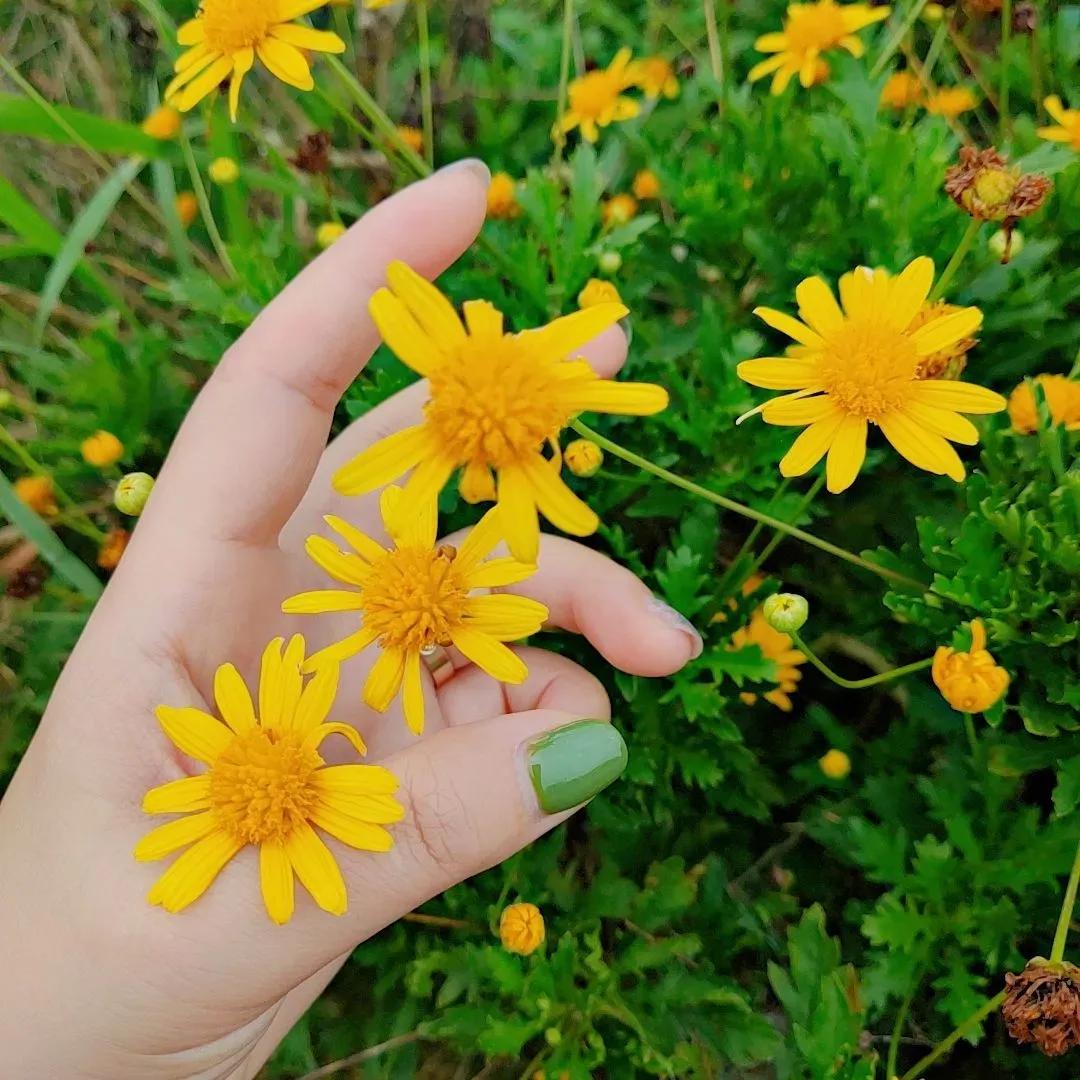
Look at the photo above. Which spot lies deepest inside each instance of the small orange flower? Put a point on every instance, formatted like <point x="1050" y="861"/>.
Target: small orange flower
<point x="412" y="137"/>
<point x="38" y="493"/>
<point x="951" y="101"/>
<point x="619" y="209"/>
<point x="969" y="681"/>
<point x="113" y="548"/>
<point x="646" y="185"/>
<point x="1062" y="399"/>
<point x="655" y="76"/>
<point x="102" y="449"/>
<point x="777" y="647"/>
<point x="502" y="201"/>
<point x="187" y="207"/>
<point x="162" y="123"/>
<point x="521" y="929"/>
<point x="902" y="91"/>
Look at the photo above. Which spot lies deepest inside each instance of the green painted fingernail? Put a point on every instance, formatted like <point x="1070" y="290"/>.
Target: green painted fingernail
<point x="571" y="764"/>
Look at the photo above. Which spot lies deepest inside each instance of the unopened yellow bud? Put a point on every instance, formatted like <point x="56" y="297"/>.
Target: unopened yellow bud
<point x="835" y="764"/>
<point x="521" y="929"/>
<point x="328" y="232"/>
<point x="583" y="457"/>
<point x="224" y="170"/>
<point x="597" y="291"/>
<point x="786" y="612"/>
<point x="132" y="492"/>
<point x="646" y="185"/>
<point x="38" y="493"/>
<point x="162" y="123"/>
<point x="102" y="449"/>
<point x="187" y="207"/>
<point x="969" y="681"/>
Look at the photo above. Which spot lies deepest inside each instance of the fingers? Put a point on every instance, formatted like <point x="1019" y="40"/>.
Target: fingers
<point x="247" y="451"/>
<point x="607" y="354"/>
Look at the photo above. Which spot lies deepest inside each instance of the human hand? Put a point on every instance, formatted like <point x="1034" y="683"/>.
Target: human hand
<point x="94" y="981"/>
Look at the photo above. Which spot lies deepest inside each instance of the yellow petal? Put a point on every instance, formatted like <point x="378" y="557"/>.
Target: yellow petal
<point x="292" y="9"/>
<point x="490" y="656"/>
<point x="402" y="333"/>
<point x="922" y="447"/>
<point x="242" y="63"/>
<point x="846" y="454"/>
<point x="196" y="733"/>
<point x="186" y="60"/>
<point x="556" y="501"/>
<point x="369" y="550"/>
<point x="910" y="289"/>
<point x="624" y="399"/>
<point x="316" y="736"/>
<point x="764" y="67"/>
<point x="270" y="682"/>
<point x="1055" y="108"/>
<point x="179" y="796"/>
<point x="499" y="572"/>
<point x="388" y="459"/>
<point x="409" y="525"/>
<point x="304" y="37"/>
<point x="193" y="872"/>
<point x="434" y="313"/>
<point x="285" y="62"/>
<point x="946" y="330"/>
<point x="798" y="412"/>
<point x="356" y="780"/>
<point x="190" y="32"/>
<point x="564" y="337"/>
<point x="384" y="679"/>
<point x="855" y="287"/>
<point x="777" y="373"/>
<point x="348" y="568"/>
<point x="412" y="694"/>
<point x="817" y="306"/>
<point x="477" y="485"/>
<point x="944" y="422"/>
<point x="421" y="491"/>
<point x="957" y="396"/>
<point x="505" y="618"/>
<point x="349" y="830"/>
<point x="517" y="514"/>
<point x="317" y="870"/>
<point x="479" y="541"/>
<point x="483" y="319"/>
<point x="775" y="42"/>
<point x="233" y="700"/>
<point x="320" y="601"/>
<point x="206" y="82"/>
<point x="276" y="880"/>
<point x="810" y="447"/>
<point x="792" y="327"/>
<point x="290" y="686"/>
<point x="341" y="650"/>
<point x="378" y="809"/>
<point x="172" y="836"/>
<point x="317" y="699"/>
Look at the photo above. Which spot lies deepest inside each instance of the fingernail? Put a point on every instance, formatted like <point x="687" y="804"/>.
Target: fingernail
<point x="666" y="613"/>
<point x="472" y="165"/>
<point x="571" y="764"/>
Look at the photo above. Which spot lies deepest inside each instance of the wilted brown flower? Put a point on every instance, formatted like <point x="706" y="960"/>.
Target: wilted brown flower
<point x="984" y="184"/>
<point x="313" y="154"/>
<point x="1042" y="1006"/>
<point x="1025" y="18"/>
<point x="27" y="582"/>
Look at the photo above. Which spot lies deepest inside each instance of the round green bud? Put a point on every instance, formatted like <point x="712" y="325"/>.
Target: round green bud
<point x="786" y="612"/>
<point x="999" y="244"/>
<point x="553" y="1036"/>
<point x="7" y="399"/>
<point x="132" y="492"/>
<point x="609" y="262"/>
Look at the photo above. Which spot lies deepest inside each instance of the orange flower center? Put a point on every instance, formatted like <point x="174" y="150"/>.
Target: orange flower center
<point x="814" y="27"/>
<point x="415" y="598"/>
<point x="867" y="368"/>
<point x="495" y="402"/>
<point x="261" y="786"/>
<point x="232" y="25"/>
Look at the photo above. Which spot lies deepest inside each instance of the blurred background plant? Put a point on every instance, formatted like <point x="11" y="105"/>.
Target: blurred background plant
<point x="822" y="892"/>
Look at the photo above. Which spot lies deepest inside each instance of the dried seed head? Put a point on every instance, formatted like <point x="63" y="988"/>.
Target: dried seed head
<point x="313" y="154"/>
<point x="989" y="189"/>
<point x="1042" y="1006"/>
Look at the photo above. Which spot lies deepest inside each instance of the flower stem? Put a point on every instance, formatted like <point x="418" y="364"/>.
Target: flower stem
<point x="857" y="684"/>
<point x="1003" y="96"/>
<point x="424" y="36"/>
<point x="957" y="258"/>
<point x="203" y="200"/>
<point x="953" y="1037"/>
<point x="738" y="508"/>
<point x="716" y="60"/>
<point x="893" y="44"/>
<point x="898" y="1026"/>
<point x="564" y="77"/>
<point x="778" y="536"/>
<point x="1057" y="952"/>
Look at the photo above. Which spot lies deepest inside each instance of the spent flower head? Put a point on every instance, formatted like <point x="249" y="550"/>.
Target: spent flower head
<point x="226" y="36"/>
<point x="267" y="785"/>
<point x="1042" y="1006"/>
<point x="786" y="612"/>
<point x="495" y="401"/>
<point x="416" y="596"/>
<point x="987" y="187"/>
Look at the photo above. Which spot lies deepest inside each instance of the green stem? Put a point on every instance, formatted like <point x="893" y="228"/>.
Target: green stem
<point x="1003" y="96"/>
<point x="898" y="1026"/>
<point x="778" y="537"/>
<point x="716" y="60"/>
<point x="953" y="1037"/>
<point x="972" y="737"/>
<point x="203" y="200"/>
<point x="424" y="36"/>
<point x="857" y="684"/>
<point x="1057" y="951"/>
<point x="564" y="77"/>
<point x="957" y="258"/>
<point x="893" y="44"/>
<point x="377" y="117"/>
<point x="734" y="566"/>
<point x="738" y="508"/>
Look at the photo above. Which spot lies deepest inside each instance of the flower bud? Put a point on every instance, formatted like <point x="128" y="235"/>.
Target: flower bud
<point x="598" y="291"/>
<point x="786" y="612"/>
<point x="619" y="209"/>
<point x="609" y="262"/>
<point x="521" y="929"/>
<point x="132" y="493"/>
<point x="328" y="232"/>
<point x="224" y="170"/>
<point x="502" y="203"/>
<point x="969" y="681"/>
<point x="7" y="399"/>
<point x="583" y="457"/>
<point x="1004" y="245"/>
<point x="646" y="185"/>
<point x="102" y="449"/>
<point x="835" y="764"/>
<point x="162" y="123"/>
<point x="187" y="207"/>
<point x="38" y="493"/>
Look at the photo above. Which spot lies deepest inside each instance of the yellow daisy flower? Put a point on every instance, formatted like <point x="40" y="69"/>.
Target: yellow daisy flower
<point x="227" y="35"/>
<point x="969" y="681"/>
<point x="809" y="30"/>
<point x="596" y="99"/>
<point x="414" y="597"/>
<point x="902" y="90"/>
<point x="494" y="400"/>
<point x="1067" y="129"/>
<point x="951" y="101"/>
<point x="266" y="784"/>
<point x="1062" y="400"/>
<point x="655" y="76"/>
<point x="774" y="646"/>
<point x="859" y="365"/>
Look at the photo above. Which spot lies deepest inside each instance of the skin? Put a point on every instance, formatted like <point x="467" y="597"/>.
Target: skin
<point x="95" y="983"/>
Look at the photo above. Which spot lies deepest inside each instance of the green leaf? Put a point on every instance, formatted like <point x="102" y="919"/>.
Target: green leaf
<point x="1067" y="790"/>
<point x="83" y="230"/>
<point x="21" y="116"/>
<point x="67" y="566"/>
